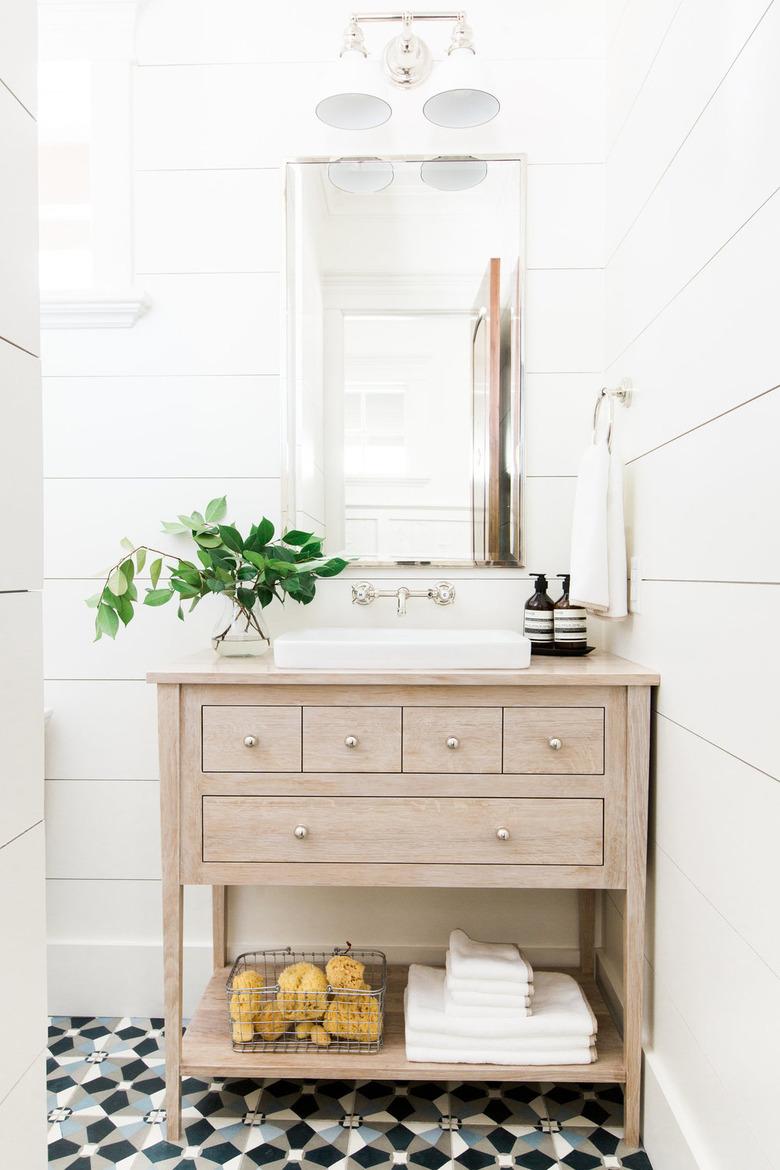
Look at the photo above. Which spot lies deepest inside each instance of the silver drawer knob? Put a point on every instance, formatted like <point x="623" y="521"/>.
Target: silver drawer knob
<point x="503" y="834"/>
<point x="555" y="743"/>
<point x="250" y="741"/>
<point x="300" y="831"/>
<point x="351" y="741"/>
<point x="453" y="742"/>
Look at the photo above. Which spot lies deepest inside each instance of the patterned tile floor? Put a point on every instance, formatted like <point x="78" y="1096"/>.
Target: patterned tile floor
<point x="106" y="1087"/>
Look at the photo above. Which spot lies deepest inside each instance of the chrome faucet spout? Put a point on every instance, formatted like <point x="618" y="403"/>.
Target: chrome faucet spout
<point x="402" y="595"/>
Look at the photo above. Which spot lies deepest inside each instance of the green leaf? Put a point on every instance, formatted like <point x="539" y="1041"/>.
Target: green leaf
<point x="256" y="559"/>
<point x="296" y="538"/>
<point x="206" y="539"/>
<point x="127" y="544"/>
<point x="188" y="573"/>
<point x="260" y="535"/>
<point x="127" y="569"/>
<point x="281" y="567"/>
<point x="158" y="596"/>
<point x="93" y="601"/>
<point x="246" y="573"/>
<point x="216" y="509"/>
<point x="247" y="597"/>
<point x="231" y="537"/>
<point x="194" y="602"/>
<point x="332" y="567"/>
<point x="180" y="614"/>
<point x="107" y="621"/>
<point x="117" y="583"/>
<point x="205" y="558"/>
<point x="264" y="595"/>
<point x="175" y="528"/>
<point x="124" y="607"/>
<point x="184" y="589"/>
<point x="190" y="523"/>
<point x="282" y="554"/>
<point x="140" y="559"/>
<point x="214" y="585"/>
<point x="154" y="571"/>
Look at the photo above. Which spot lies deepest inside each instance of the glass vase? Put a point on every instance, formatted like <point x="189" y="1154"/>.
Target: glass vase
<point x="240" y="632"/>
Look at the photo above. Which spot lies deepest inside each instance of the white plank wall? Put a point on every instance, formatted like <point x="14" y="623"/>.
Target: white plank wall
<point x="22" y="867"/>
<point x="693" y="229"/>
<point x="189" y="406"/>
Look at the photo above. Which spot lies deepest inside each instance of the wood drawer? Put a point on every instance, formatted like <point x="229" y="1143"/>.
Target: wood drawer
<point x="428" y="830"/>
<point x="251" y="739"/>
<point x="352" y="739"/>
<point x="452" y="739"/>
<point x="531" y="736"/>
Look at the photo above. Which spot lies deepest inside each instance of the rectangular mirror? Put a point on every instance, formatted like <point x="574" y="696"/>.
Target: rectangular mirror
<point x="404" y="358"/>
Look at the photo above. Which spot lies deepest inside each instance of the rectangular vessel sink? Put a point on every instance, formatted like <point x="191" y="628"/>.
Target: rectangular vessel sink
<point x="402" y="649"/>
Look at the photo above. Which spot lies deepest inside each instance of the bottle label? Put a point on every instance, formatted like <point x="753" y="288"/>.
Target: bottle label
<point x="571" y="626"/>
<point x="538" y="625"/>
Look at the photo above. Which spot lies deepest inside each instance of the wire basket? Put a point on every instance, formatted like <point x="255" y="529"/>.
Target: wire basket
<point x="265" y="1015"/>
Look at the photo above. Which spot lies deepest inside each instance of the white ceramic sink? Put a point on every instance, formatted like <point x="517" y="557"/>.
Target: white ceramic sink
<point x="395" y="648"/>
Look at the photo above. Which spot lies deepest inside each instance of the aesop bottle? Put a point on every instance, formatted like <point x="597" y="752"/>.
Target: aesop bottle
<point x="569" y="621"/>
<point x="538" y="614"/>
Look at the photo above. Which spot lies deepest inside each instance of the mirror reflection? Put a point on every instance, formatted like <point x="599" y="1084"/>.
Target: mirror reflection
<point x="404" y="357"/>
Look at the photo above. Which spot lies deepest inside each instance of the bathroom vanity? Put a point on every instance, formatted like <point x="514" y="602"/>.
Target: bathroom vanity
<point x="494" y="778"/>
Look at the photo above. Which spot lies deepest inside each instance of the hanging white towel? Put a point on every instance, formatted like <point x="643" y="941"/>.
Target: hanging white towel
<point x="598" y="538"/>
<point x="469" y="959"/>
<point x="560" y="1009"/>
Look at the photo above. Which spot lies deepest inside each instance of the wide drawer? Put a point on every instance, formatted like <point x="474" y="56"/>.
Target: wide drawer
<point x="352" y="739"/>
<point x="554" y="740"/>
<point x="472" y="831"/>
<point x="452" y="739"/>
<point x="251" y="739"/>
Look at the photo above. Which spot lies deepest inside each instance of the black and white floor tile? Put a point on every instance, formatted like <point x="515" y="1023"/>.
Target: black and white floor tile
<point x="106" y="1092"/>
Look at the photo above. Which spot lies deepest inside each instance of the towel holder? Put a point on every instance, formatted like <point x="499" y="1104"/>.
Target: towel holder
<point x="621" y="394"/>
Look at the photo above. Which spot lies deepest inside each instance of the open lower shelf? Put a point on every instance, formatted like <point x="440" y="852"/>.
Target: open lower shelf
<point x="207" y="1050"/>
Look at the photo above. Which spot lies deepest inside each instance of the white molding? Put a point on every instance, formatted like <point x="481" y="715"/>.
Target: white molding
<point x="413" y="292"/>
<point x="91" y="310"/>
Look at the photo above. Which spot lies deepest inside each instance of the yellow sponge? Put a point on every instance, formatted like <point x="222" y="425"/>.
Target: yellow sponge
<point x="303" y="992"/>
<point x="319" y="1036"/>
<point x="345" y="972"/>
<point x="269" y="1021"/>
<point x="353" y="1017"/>
<point x="246" y="1000"/>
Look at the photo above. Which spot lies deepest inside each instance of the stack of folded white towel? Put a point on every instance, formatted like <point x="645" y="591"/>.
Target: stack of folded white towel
<point x="442" y="1026"/>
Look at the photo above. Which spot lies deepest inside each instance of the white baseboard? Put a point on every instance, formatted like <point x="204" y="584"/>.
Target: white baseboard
<point x="125" y="979"/>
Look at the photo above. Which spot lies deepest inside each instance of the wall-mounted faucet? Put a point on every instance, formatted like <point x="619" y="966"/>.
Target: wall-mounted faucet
<point x="442" y="593"/>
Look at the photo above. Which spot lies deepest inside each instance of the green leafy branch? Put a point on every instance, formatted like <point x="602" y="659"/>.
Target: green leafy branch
<point x="251" y="571"/>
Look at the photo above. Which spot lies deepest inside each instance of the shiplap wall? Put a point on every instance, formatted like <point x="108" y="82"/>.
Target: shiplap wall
<point x="692" y="289"/>
<point x="22" y="916"/>
<point x="141" y="423"/>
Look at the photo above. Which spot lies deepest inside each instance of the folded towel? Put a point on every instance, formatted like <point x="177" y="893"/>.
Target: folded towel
<point x="424" y="1055"/>
<point x="470" y="959"/>
<point x="560" y="1009"/>
<point x="598" y="536"/>
<point x="498" y="1011"/>
<point x="500" y="1044"/>
<point x="494" y="988"/>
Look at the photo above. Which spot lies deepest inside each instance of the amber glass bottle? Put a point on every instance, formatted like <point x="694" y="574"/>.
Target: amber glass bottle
<point x="570" y="628"/>
<point x="538" y="614"/>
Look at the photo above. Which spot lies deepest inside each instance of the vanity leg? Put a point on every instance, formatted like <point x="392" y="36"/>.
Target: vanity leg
<point x="219" y="926"/>
<point x="587" y="912"/>
<point x="172" y="899"/>
<point x="638" y="746"/>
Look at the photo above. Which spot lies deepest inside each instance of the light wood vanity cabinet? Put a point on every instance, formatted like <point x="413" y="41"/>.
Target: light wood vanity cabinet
<point x="534" y="778"/>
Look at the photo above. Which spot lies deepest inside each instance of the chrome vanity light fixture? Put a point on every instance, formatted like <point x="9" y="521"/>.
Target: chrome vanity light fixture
<point x="453" y="174"/>
<point x="459" y="101"/>
<point x="361" y="176"/>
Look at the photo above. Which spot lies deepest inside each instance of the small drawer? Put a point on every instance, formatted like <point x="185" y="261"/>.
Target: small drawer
<point x="423" y="831"/>
<point x="452" y="739"/>
<point x="554" y="740"/>
<point x="352" y="739"/>
<point x="251" y="739"/>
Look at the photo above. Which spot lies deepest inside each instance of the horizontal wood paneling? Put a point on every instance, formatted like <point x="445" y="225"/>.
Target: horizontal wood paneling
<point x="212" y="116"/>
<point x="565" y="216"/>
<point x="20" y="468"/>
<point x="564" y="320"/>
<point x="18" y="224"/>
<point x="632" y="51"/>
<point x="205" y="324"/>
<point x="558" y="418"/>
<point x="106" y="911"/>
<point x="235" y="217"/>
<point x="101" y="730"/>
<point x="102" y="829"/>
<point x="21" y="714"/>
<point x="173" y="427"/>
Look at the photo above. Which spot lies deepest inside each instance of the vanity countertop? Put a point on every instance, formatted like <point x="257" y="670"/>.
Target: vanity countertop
<point x="597" y="669"/>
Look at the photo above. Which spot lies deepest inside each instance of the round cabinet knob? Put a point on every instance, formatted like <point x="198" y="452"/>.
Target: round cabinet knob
<point x="250" y="741"/>
<point x="351" y="741"/>
<point x="300" y="831"/>
<point x="503" y="834"/>
<point x="453" y="742"/>
<point x="555" y="743"/>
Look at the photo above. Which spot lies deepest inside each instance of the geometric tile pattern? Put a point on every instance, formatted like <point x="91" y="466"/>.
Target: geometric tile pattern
<point x="106" y="1092"/>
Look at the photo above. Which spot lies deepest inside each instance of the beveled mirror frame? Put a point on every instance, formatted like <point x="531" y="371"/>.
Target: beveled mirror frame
<point x="290" y="423"/>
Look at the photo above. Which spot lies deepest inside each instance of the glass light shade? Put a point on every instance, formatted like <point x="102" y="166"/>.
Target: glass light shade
<point x="453" y="174"/>
<point x="359" y="104"/>
<point x="361" y="176"/>
<point x="460" y="102"/>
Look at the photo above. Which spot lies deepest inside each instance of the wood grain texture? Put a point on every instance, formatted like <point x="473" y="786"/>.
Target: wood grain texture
<point x="276" y="731"/>
<point x="376" y="729"/>
<point x="208" y="1052"/>
<point x="637" y="781"/>
<point x="528" y="732"/>
<point x="219" y="925"/>
<point x="172" y="896"/>
<point x="426" y="830"/>
<point x="597" y="669"/>
<point x="478" y="735"/>
<point x="587" y="930"/>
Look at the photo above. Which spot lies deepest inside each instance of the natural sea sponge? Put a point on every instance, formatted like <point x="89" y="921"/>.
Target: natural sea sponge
<point x="246" y="999"/>
<point x="353" y="1017"/>
<point x="303" y="1030"/>
<point x="345" y="972"/>
<point x="269" y="1021"/>
<point x="303" y="992"/>
<point x="243" y="1031"/>
<point x="319" y="1036"/>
